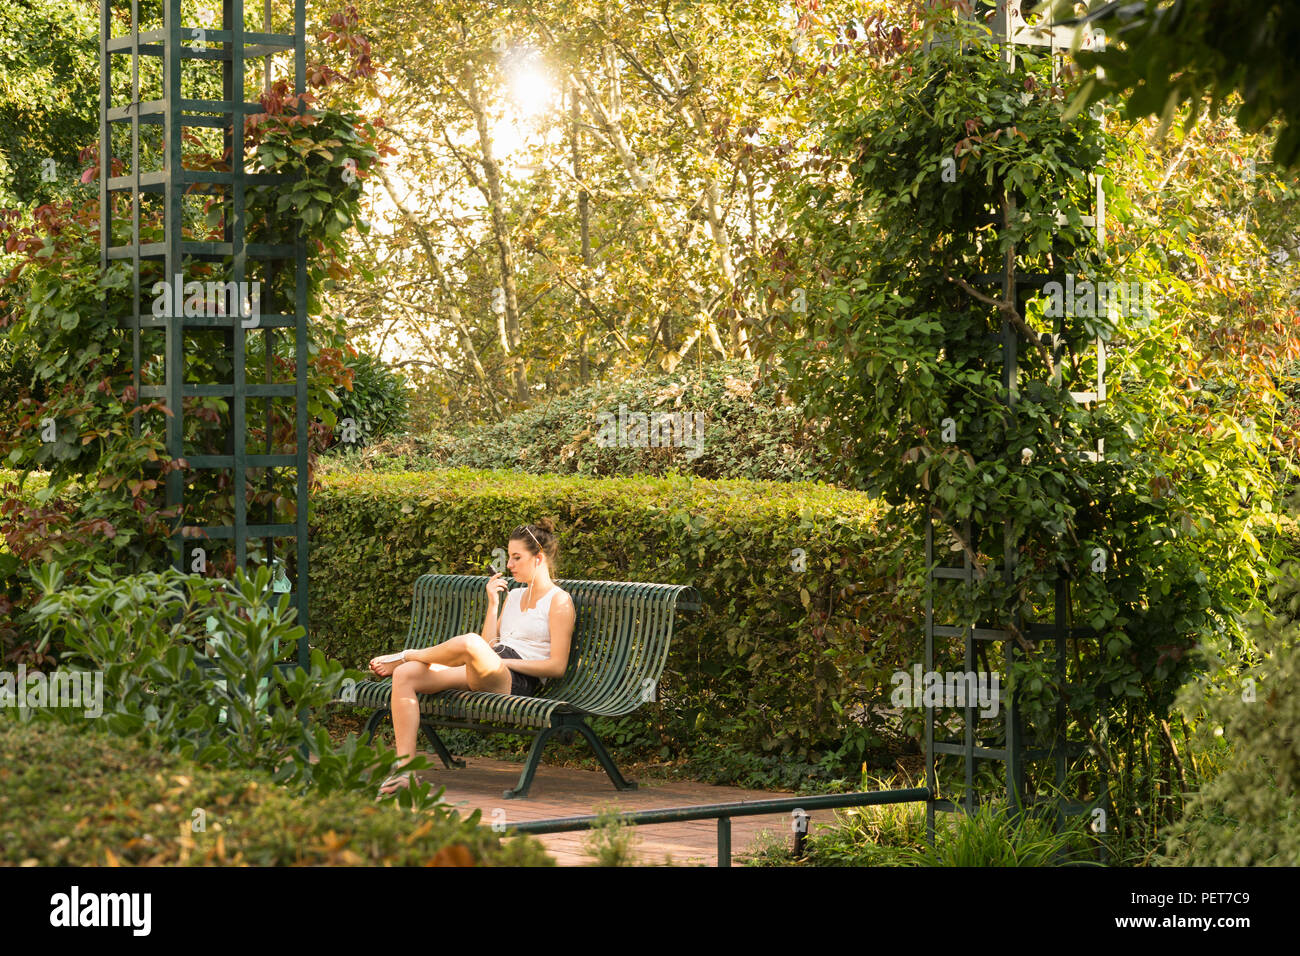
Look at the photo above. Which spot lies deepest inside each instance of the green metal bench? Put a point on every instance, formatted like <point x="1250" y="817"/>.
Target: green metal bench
<point x="620" y="644"/>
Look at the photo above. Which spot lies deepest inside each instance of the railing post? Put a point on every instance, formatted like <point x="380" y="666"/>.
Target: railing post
<point x="724" y="841"/>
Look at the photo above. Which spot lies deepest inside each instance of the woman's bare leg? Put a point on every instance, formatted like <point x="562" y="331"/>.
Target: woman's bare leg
<point x="410" y="678"/>
<point x="468" y="663"/>
<point x="471" y="651"/>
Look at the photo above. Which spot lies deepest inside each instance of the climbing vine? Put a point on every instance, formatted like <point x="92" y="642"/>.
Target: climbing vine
<point x="65" y="324"/>
<point x="918" y="209"/>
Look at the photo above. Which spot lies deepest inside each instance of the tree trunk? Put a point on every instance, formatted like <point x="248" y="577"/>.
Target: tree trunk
<point x="500" y="231"/>
<point x="467" y="342"/>
<point x="584" y="228"/>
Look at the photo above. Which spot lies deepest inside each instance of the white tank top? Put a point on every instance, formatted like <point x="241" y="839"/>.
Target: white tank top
<point x="527" y="632"/>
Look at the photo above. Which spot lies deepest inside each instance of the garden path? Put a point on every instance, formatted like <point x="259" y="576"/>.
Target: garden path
<point x="569" y="792"/>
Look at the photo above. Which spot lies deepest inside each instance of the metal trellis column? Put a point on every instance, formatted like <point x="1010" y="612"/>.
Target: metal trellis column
<point x="173" y="44"/>
<point x="1010" y="30"/>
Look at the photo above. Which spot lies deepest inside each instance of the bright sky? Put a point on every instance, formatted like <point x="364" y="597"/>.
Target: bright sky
<point x="531" y="95"/>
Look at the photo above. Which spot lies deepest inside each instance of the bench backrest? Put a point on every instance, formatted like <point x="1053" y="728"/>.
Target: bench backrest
<point x="620" y="640"/>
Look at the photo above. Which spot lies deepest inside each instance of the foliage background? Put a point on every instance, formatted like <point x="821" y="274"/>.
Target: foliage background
<point x="749" y="426"/>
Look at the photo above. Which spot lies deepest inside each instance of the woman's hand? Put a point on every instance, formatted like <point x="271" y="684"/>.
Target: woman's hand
<point x="495" y="586"/>
<point x="384" y="669"/>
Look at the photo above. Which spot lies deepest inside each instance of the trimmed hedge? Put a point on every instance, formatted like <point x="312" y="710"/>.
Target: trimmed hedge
<point x="85" y="798"/>
<point x="753" y="692"/>
<point x="780" y="672"/>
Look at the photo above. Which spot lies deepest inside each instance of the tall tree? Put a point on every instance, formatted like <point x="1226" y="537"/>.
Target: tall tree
<point x="626" y="229"/>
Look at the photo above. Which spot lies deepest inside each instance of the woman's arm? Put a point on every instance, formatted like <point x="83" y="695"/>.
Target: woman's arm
<point x="496" y="587"/>
<point x="489" y="631"/>
<point x="560" y="620"/>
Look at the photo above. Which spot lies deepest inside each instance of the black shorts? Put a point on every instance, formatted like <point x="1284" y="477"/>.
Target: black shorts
<point x="521" y="685"/>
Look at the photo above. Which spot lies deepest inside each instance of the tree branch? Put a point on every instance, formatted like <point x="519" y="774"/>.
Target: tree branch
<point x="1008" y="309"/>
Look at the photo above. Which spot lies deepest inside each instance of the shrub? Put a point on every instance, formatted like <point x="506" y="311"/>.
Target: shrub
<point x="611" y="842"/>
<point x="72" y="797"/>
<point x="1249" y="813"/>
<point x="62" y="316"/>
<point x="869" y="836"/>
<point x="1134" y="519"/>
<point x="146" y="635"/>
<point x="750" y="430"/>
<point x="894" y="835"/>
<point x="767" y="849"/>
<point x="378" y="403"/>
<point x="17" y="646"/>
<point x="78" y="401"/>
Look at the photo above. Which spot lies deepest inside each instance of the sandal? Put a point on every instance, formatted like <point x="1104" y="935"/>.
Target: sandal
<point x="397" y="781"/>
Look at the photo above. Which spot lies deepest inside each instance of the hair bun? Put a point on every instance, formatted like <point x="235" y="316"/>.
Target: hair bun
<point x="546" y="525"/>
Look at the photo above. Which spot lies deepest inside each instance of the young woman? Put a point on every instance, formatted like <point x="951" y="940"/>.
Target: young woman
<point x="533" y="644"/>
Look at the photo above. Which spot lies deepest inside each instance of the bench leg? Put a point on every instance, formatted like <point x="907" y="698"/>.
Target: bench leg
<point x="440" y="748"/>
<point x="373" y="724"/>
<point x="603" y="756"/>
<point x="535" y="758"/>
<point x="531" y="764"/>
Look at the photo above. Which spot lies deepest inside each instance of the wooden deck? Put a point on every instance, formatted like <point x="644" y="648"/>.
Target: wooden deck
<point x="568" y="792"/>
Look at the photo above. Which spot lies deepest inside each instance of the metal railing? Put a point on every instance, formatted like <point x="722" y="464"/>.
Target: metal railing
<point x="723" y="812"/>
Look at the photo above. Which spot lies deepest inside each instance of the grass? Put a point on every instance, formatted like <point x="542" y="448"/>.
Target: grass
<point x="611" y="842"/>
<point x="894" y="835"/>
<point x="991" y="837"/>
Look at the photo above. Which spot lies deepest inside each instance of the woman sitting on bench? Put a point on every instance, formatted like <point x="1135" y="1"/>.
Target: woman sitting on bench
<point x="535" y="630"/>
